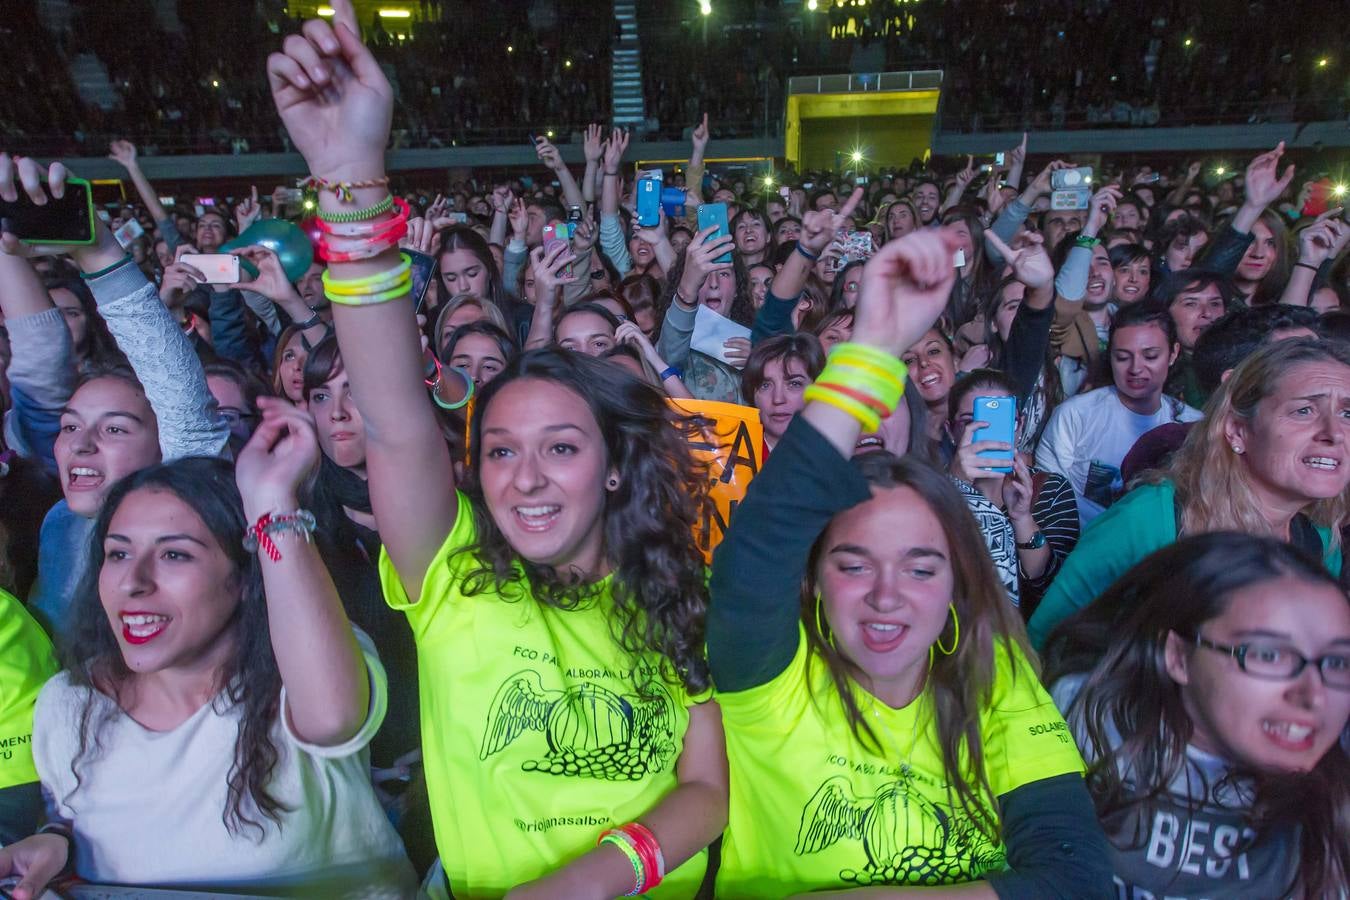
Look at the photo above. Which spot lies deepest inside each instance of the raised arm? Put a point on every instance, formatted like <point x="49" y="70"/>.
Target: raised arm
<point x="549" y="277"/>
<point x="1261" y="187"/>
<point x="322" y="669"/>
<point x="1318" y="244"/>
<point x="124" y="154"/>
<point x="818" y="230"/>
<point x="693" y="182"/>
<point x="143" y="328"/>
<point x="758" y="567"/>
<point x="1071" y="280"/>
<point x="550" y="157"/>
<point x="337" y="105"/>
<point x="592" y="148"/>
<point x="958" y="188"/>
<point x="42" y="369"/>
<point x="273" y="284"/>
<point x="1178" y="193"/>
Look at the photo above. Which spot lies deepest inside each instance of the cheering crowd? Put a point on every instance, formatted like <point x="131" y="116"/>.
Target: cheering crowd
<point x="363" y="578"/>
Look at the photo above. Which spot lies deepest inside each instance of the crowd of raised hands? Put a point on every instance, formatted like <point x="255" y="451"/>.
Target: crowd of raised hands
<point x="408" y="567"/>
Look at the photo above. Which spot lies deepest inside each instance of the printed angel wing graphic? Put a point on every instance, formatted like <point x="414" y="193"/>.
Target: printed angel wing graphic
<point x="521" y="704"/>
<point x="831" y="815"/>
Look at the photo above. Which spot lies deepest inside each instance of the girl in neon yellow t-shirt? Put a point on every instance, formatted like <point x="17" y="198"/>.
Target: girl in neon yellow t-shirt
<point x="558" y="599"/>
<point x="26" y="662"/>
<point x="886" y="731"/>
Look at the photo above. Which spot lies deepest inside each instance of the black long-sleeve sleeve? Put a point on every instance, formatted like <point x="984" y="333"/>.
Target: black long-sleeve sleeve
<point x="1025" y="352"/>
<point x="1225" y="252"/>
<point x="757" y="569"/>
<point x="774" y="317"/>
<point x="1055" y="510"/>
<point x="1056" y="846"/>
<point x="20" y="812"/>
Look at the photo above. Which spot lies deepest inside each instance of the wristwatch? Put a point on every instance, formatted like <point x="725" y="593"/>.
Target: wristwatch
<point x="1037" y="542"/>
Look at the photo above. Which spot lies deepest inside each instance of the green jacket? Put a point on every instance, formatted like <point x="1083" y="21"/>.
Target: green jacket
<point x="1142" y="521"/>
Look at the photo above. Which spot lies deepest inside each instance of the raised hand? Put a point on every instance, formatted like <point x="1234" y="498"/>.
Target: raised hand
<point x="278" y="459"/>
<point x="180" y="279"/>
<point x="965" y="176"/>
<point x="654" y="234"/>
<point x="584" y="236"/>
<point x="247" y="211"/>
<point x="819" y="227"/>
<point x="421" y="236"/>
<point x="967" y="463"/>
<point x="548" y="154"/>
<point x="1263" y="183"/>
<point x="737" y="350"/>
<point x="1323" y="239"/>
<point x="904" y="290"/>
<point x="700" y="258"/>
<point x="1100" y="207"/>
<point x="520" y="220"/>
<point x="550" y="269"/>
<point x="333" y="97"/>
<point x="593" y="143"/>
<point x="501" y="199"/>
<point x="1019" y="492"/>
<point x="1030" y="263"/>
<point x="271" y="282"/>
<point x="123" y="153"/>
<point x="28" y="174"/>
<point x="615" y="148"/>
<point x="700" y="137"/>
<point x="437" y="209"/>
<point x="1041" y="183"/>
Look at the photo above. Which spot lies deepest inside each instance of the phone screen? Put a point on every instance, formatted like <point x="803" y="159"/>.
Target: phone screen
<point x="423" y="272"/>
<point x="69" y="220"/>
<point x="710" y="214"/>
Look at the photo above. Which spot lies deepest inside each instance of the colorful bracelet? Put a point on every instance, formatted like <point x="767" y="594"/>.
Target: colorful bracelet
<point x="364" y="228"/>
<point x="865" y="415"/>
<point x="866" y="399"/>
<point x="648" y="847"/>
<point x="356" y="215"/>
<point x="380" y="281"/>
<point x="259" y="537"/>
<point x="1086" y="241"/>
<point x="343" y="189"/>
<point x="394" y="293"/>
<point x="620" y="840"/>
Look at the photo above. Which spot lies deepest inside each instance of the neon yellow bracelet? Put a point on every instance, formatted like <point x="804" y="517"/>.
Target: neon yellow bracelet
<point x="639" y="869"/>
<point x="377" y="282"/>
<point x="867" y="353"/>
<point x="867" y="417"/>
<point x="881" y="388"/>
<point x="344" y="289"/>
<point x="876" y="372"/>
<point x="402" y="290"/>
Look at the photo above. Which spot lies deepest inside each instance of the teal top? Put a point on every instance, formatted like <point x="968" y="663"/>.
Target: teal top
<point x="1142" y="521"/>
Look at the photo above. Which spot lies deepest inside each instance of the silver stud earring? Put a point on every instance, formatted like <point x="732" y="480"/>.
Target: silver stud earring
<point x="1237" y="449"/>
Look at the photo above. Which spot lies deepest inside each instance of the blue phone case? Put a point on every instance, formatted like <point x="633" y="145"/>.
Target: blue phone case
<point x="710" y="214"/>
<point x="649" y="202"/>
<point x="1001" y="414"/>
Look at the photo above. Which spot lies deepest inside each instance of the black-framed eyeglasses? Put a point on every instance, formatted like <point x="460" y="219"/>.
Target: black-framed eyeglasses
<point x="1273" y="661"/>
<point x="597" y="274"/>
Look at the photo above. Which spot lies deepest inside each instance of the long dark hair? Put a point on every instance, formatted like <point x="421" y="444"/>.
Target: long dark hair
<point x="1120" y="640"/>
<point x="659" y="589"/>
<point x="249" y="680"/>
<point x="462" y="237"/>
<point x="742" y="310"/>
<point x="961" y="683"/>
<point x="100" y="349"/>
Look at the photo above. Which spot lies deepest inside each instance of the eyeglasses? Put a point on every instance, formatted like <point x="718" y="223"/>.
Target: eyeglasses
<point x="597" y="274"/>
<point x="234" y="416"/>
<point x="1280" y="662"/>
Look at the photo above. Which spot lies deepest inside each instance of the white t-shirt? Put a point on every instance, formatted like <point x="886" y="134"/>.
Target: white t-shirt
<point x="147" y="809"/>
<point x="1088" y="436"/>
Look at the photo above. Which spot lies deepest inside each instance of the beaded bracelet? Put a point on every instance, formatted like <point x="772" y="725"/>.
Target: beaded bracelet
<point x="259" y="536"/>
<point x="380" y="281"/>
<point x="356" y="215"/>
<point x="365" y="229"/>
<point x="639" y="871"/>
<point x="343" y="189"/>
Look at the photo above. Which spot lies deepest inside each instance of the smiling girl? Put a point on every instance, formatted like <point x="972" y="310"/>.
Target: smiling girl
<point x="556" y="596"/>
<point x="885" y="729"/>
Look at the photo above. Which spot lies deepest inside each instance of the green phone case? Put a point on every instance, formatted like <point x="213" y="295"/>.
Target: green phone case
<point x="89" y="216"/>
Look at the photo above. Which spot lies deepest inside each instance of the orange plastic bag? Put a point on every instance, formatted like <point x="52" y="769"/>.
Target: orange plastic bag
<point x="731" y="440"/>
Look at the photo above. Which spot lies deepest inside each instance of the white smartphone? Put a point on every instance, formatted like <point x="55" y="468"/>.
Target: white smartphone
<point x="219" y="268"/>
<point x="959" y="259"/>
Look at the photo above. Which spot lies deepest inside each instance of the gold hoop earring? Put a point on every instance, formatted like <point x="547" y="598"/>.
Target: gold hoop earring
<point x="956" y="635"/>
<point x="822" y="628"/>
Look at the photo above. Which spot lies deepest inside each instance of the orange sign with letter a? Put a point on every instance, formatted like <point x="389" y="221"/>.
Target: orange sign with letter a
<point x="730" y="440"/>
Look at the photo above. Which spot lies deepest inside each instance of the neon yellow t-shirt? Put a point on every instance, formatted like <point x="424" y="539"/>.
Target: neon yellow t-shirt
<point x="811" y="808"/>
<point x="26" y="662"/>
<point x="534" y="737"/>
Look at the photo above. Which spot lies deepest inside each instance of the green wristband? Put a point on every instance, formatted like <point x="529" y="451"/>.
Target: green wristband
<point x="90" y="276"/>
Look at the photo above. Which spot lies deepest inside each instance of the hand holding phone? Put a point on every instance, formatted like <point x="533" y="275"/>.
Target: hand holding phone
<point x="999" y="414"/>
<point x="715" y="214"/>
<point x="217" y="268"/>
<point x="67" y="220"/>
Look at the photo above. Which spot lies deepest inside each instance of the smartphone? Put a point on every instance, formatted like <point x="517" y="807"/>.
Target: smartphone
<point x="959" y="259"/>
<point x="219" y="268"/>
<point x="130" y="230"/>
<point x="559" y="233"/>
<point x="649" y="201"/>
<point x="423" y="274"/>
<point x="459" y="218"/>
<point x="710" y="214"/>
<point x="1000" y="414"/>
<point x="69" y="220"/>
<point x="1319" y="198"/>
<point x="206" y="201"/>
<point x="998" y="158"/>
<point x="861" y="179"/>
<point x="292" y="196"/>
<point x="785" y="192"/>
